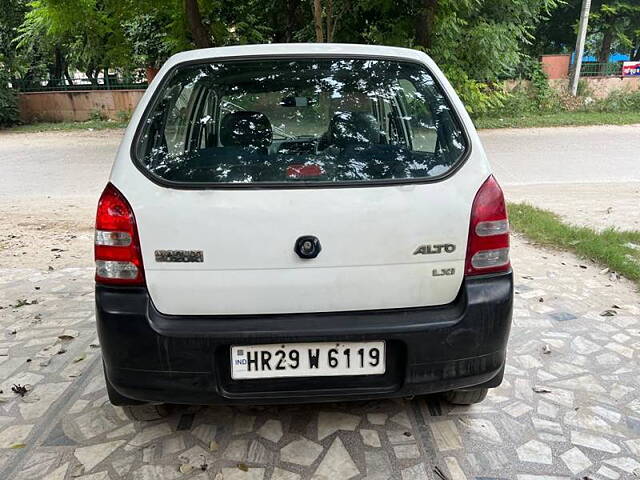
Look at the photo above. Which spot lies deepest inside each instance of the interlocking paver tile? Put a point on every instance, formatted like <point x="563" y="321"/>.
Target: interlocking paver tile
<point x="568" y="406"/>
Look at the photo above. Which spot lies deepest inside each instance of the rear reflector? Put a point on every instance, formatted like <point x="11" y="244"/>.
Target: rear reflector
<point x="486" y="229"/>
<point x="117" y="247"/>
<point x="114" y="239"/>
<point x="490" y="258"/>
<point x="488" y="246"/>
<point x="116" y="270"/>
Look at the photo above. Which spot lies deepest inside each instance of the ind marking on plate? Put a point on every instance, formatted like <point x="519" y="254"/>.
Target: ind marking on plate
<point x="179" y="256"/>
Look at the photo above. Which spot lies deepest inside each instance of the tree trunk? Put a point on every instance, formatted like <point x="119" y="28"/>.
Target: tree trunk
<point x="67" y="76"/>
<point x="317" y="20"/>
<point x="92" y="76"/>
<point x="330" y="20"/>
<point x="292" y="14"/>
<point x="605" y="50"/>
<point x="283" y="25"/>
<point x="424" y="23"/>
<point x="196" y="27"/>
<point x="56" y="70"/>
<point x="151" y="73"/>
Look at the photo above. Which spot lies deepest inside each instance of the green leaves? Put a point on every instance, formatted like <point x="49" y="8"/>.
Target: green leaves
<point x="147" y="35"/>
<point x="8" y="102"/>
<point x="477" y="42"/>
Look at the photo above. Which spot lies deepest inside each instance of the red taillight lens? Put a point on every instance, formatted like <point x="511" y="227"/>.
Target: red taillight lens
<point x="117" y="248"/>
<point x="488" y="247"/>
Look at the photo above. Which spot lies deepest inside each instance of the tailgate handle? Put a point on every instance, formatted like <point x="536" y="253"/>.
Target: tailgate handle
<point x="307" y="247"/>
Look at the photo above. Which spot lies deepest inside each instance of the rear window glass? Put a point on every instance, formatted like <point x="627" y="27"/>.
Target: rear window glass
<point x="299" y="121"/>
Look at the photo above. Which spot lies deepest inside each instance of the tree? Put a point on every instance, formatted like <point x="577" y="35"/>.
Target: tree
<point x="484" y="38"/>
<point x="86" y="35"/>
<point x="284" y="20"/>
<point x="21" y="68"/>
<point x="201" y="37"/>
<point x="95" y="36"/>
<point x="13" y="12"/>
<point x="8" y="102"/>
<point x="557" y="33"/>
<point x="317" y="20"/>
<point x="425" y="22"/>
<point x="616" y="24"/>
<point x="325" y="19"/>
<point x="147" y="34"/>
<point x="475" y="41"/>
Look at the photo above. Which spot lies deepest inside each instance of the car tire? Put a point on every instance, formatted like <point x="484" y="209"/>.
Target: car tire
<point x="115" y="397"/>
<point x="467" y="396"/>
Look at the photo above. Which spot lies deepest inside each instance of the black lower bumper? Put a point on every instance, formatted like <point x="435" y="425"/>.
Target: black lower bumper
<point x="150" y="356"/>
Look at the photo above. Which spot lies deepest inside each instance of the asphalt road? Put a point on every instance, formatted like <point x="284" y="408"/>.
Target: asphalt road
<point x="78" y="163"/>
<point x="597" y="154"/>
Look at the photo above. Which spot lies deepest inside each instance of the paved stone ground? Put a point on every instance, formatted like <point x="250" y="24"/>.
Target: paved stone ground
<point x="568" y="408"/>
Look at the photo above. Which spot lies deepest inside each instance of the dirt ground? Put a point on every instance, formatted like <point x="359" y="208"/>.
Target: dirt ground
<point x="37" y="233"/>
<point x="49" y="188"/>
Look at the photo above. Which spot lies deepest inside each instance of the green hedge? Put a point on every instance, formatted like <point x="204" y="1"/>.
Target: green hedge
<point x="9" y="113"/>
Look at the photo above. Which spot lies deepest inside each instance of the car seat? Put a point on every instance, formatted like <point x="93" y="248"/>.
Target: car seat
<point x="248" y="130"/>
<point x="350" y="129"/>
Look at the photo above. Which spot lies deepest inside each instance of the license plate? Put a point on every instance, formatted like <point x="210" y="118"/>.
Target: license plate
<point x="326" y="359"/>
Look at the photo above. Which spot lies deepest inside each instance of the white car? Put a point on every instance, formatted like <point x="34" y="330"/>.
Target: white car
<point x="301" y="223"/>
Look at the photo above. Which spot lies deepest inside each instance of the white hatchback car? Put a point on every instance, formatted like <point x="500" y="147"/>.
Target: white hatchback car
<point x="298" y="223"/>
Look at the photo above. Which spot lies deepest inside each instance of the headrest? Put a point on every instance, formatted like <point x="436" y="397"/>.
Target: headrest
<point x="353" y="128"/>
<point x="246" y="129"/>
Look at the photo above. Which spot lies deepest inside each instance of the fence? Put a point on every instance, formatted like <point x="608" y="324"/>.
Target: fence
<point x="56" y="100"/>
<point x="598" y="69"/>
<point x="76" y="105"/>
<point x="63" y="85"/>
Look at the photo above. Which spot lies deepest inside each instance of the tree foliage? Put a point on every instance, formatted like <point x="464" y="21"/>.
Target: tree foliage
<point x="476" y="42"/>
<point x="8" y="102"/>
<point x="614" y="26"/>
<point x="148" y="37"/>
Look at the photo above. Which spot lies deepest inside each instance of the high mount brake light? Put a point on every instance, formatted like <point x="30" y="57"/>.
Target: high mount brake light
<point x="117" y="247"/>
<point x="488" y="246"/>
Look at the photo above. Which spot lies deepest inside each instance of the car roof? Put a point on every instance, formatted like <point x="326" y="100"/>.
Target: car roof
<point x="310" y="49"/>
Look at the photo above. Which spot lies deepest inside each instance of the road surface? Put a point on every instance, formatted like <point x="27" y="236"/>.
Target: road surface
<point x="78" y="162"/>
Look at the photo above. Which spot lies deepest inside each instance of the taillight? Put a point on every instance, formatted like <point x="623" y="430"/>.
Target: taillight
<point x="488" y="247"/>
<point x="117" y="248"/>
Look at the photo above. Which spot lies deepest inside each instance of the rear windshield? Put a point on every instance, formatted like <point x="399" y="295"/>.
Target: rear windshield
<point x="299" y="121"/>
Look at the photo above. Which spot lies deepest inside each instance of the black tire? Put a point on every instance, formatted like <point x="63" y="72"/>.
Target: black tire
<point x="467" y="396"/>
<point x="116" y="398"/>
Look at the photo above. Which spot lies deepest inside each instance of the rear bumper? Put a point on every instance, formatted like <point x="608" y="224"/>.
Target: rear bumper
<point x="150" y="356"/>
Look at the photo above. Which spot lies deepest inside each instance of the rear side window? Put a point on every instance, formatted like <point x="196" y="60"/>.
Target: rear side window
<point x="307" y="121"/>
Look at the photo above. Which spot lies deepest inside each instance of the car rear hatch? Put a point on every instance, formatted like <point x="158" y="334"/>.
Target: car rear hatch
<point x="239" y="160"/>
<point x="388" y="247"/>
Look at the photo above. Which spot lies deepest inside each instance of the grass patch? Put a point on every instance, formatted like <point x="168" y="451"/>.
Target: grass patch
<point x="611" y="248"/>
<point x="67" y="126"/>
<point x="559" y="119"/>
